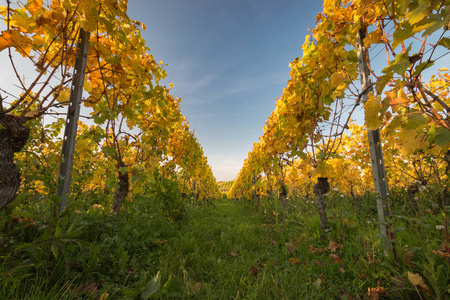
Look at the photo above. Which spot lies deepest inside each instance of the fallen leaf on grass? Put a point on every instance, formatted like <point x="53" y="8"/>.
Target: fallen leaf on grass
<point x="193" y="289"/>
<point x="294" y="261"/>
<point x="255" y="270"/>
<point x="362" y="276"/>
<point x="373" y="293"/>
<point x="161" y="241"/>
<point x="350" y="223"/>
<point x="318" y="263"/>
<point x="444" y="246"/>
<point x="418" y="282"/>
<point x="317" y="283"/>
<point x="334" y="246"/>
<point x="29" y="224"/>
<point x="337" y="259"/>
<point x="234" y="254"/>
<point x="315" y="250"/>
<point x="441" y="254"/>
<point x="341" y="270"/>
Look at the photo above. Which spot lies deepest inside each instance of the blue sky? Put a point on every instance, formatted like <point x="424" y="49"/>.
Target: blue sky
<point x="229" y="61"/>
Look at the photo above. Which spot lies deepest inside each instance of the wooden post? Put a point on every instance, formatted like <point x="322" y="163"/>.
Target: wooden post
<point x="73" y="113"/>
<point x="376" y="154"/>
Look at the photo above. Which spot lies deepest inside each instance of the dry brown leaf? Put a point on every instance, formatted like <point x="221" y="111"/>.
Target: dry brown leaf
<point x="442" y="254"/>
<point x="336" y="259"/>
<point x="373" y="293"/>
<point x="315" y="250"/>
<point x="408" y="257"/>
<point x="318" y="263"/>
<point x="294" y="261"/>
<point x="254" y="270"/>
<point x="194" y="289"/>
<point x="444" y="246"/>
<point x="334" y="246"/>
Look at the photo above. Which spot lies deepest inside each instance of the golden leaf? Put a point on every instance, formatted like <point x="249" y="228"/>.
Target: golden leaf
<point x="64" y="96"/>
<point x="371" y="111"/>
<point x="396" y="102"/>
<point x="417" y="281"/>
<point x="13" y="38"/>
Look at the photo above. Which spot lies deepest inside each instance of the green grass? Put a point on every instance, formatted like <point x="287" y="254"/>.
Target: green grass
<point x="224" y="250"/>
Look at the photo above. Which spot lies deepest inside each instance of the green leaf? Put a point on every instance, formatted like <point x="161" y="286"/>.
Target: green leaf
<point x="152" y="287"/>
<point x="442" y="137"/>
<point x="54" y="250"/>
<point x="58" y="231"/>
<point x="383" y="80"/>
<point x="445" y="42"/>
<point x="400" y="64"/>
<point x="415" y="121"/>
<point x="434" y="22"/>
<point x="423" y="66"/>
<point x="317" y="283"/>
<point x="418" y="13"/>
<point x="402" y="33"/>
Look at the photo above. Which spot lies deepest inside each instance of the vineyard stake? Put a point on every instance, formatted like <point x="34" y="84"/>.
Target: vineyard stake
<point x="73" y="113"/>
<point x="376" y="153"/>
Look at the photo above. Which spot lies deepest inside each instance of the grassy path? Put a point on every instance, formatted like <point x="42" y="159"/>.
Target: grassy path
<point x="226" y="251"/>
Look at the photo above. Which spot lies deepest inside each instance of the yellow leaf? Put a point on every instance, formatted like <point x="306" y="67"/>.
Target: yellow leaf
<point x="335" y="79"/>
<point x="401" y="99"/>
<point x="417" y="281"/>
<point x="371" y="111"/>
<point x="410" y="141"/>
<point x="325" y="169"/>
<point x="3" y="10"/>
<point x="20" y="21"/>
<point x="64" y="96"/>
<point x="13" y="38"/>
<point x="375" y="37"/>
<point x="38" y="40"/>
